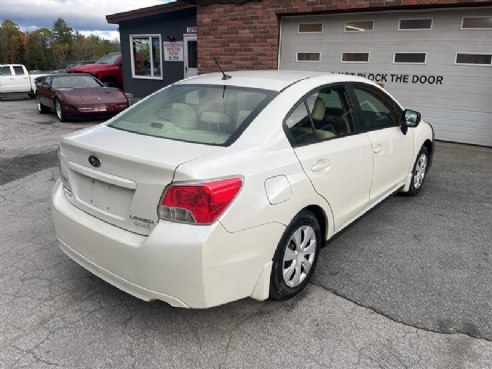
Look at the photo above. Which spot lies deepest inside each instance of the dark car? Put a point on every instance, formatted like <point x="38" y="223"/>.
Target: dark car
<point x="77" y="63"/>
<point x="78" y="96"/>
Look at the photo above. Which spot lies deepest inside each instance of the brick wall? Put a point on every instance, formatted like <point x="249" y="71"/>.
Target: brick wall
<point x="245" y="35"/>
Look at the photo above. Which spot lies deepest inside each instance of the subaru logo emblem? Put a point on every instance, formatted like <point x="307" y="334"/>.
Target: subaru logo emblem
<point x="94" y="161"/>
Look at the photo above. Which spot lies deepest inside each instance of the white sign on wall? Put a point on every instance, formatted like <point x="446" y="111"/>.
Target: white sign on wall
<point x="173" y="51"/>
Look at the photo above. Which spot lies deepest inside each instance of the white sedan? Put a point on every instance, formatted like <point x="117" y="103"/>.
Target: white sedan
<point x="223" y="187"/>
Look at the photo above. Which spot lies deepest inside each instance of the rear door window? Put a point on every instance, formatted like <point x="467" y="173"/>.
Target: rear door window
<point x="299" y="125"/>
<point x="205" y="114"/>
<point x="18" y="70"/>
<point x="331" y="113"/>
<point x="323" y="114"/>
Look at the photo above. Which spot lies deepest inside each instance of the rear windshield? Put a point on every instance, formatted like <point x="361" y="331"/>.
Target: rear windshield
<point x="214" y="115"/>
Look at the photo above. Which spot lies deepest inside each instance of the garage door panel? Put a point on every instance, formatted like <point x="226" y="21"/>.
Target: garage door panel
<point x="439" y="48"/>
<point x="448" y="22"/>
<point x="459" y="104"/>
<point x="460" y="126"/>
<point x="470" y="103"/>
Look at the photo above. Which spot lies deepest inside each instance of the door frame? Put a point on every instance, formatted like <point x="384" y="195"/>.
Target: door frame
<point x="186" y="69"/>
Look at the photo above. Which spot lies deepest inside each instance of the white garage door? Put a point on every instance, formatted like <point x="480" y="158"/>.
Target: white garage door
<point x="438" y="62"/>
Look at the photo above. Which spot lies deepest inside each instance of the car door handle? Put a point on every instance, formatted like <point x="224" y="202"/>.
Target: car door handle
<point x="321" y="165"/>
<point x="379" y="149"/>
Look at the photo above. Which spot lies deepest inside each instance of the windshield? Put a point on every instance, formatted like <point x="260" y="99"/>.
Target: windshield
<point x="109" y="59"/>
<point x="75" y="81"/>
<point x="195" y="113"/>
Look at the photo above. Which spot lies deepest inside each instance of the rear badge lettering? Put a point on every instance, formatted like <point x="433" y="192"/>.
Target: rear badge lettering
<point x="142" y="222"/>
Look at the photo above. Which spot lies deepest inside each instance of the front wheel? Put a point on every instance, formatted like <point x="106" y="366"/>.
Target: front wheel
<point x="419" y="172"/>
<point x="296" y="256"/>
<point x="59" y="111"/>
<point x="41" y="108"/>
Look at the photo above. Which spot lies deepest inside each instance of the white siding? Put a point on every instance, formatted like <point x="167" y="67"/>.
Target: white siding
<point x="460" y="108"/>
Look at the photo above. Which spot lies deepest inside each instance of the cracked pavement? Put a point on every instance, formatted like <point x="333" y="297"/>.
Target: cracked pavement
<point x="406" y="294"/>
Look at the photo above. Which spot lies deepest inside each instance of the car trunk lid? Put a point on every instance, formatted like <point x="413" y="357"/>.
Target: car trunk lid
<point x="119" y="177"/>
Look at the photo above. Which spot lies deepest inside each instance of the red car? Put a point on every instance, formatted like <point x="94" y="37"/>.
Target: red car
<point x="78" y="96"/>
<point x="107" y="69"/>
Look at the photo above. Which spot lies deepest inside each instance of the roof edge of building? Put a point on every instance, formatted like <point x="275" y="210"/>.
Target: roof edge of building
<point x="355" y="9"/>
<point x="149" y="11"/>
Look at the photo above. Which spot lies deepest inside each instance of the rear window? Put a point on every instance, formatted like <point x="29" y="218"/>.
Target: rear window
<point x="214" y="115"/>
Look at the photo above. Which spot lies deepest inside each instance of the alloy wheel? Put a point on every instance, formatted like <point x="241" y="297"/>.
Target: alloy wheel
<point x="420" y="168"/>
<point x="299" y="256"/>
<point x="59" y="112"/>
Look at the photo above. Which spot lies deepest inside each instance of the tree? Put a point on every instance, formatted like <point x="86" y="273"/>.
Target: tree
<point x="10" y="41"/>
<point x="46" y="48"/>
<point x="62" y="42"/>
<point x="38" y="49"/>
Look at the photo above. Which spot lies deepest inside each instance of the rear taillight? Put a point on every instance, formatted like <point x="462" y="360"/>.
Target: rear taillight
<point x="198" y="203"/>
<point x="63" y="176"/>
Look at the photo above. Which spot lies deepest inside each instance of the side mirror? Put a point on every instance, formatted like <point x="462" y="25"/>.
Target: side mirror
<point x="410" y="118"/>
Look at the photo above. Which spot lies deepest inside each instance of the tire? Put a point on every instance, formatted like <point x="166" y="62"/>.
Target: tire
<point x="419" y="172"/>
<point x="41" y="108"/>
<point x="59" y="111"/>
<point x="298" y="248"/>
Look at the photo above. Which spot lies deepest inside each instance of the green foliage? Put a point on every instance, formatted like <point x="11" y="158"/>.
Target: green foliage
<point x="46" y="49"/>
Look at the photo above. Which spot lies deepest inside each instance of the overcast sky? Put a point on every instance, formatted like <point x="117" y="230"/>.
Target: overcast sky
<point x="85" y="16"/>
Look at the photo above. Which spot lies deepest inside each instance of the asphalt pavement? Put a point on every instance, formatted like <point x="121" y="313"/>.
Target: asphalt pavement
<point x="425" y="261"/>
<point x="407" y="286"/>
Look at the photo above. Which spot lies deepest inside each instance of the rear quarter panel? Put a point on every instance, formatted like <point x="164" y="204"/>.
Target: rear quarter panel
<point x="260" y="153"/>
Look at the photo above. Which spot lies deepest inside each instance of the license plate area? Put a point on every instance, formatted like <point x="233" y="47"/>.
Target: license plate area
<point x="109" y="199"/>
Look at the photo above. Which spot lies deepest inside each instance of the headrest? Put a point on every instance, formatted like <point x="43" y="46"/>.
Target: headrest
<point x="215" y="117"/>
<point x="319" y="109"/>
<point x="183" y="116"/>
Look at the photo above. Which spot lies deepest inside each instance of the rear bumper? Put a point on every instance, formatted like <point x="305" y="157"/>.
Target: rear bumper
<point x="183" y="265"/>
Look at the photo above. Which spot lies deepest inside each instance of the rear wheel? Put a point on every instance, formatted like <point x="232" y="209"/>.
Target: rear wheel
<point x="296" y="256"/>
<point x="59" y="111"/>
<point x="41" y="108"/>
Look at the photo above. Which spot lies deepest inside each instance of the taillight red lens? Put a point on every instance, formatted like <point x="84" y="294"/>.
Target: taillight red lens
<point x="200" y="203"/>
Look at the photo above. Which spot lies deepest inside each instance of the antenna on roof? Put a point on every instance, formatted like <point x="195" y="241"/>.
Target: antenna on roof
<point x="224" y="76"/>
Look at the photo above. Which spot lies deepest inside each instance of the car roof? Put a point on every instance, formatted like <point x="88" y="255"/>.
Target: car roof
<point x="269" y="79"/>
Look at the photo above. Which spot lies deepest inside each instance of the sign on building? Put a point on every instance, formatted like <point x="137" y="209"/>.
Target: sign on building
<point x="173" y="51"/>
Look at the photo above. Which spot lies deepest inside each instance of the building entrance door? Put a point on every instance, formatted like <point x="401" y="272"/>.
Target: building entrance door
<point x="190" y="55"/>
